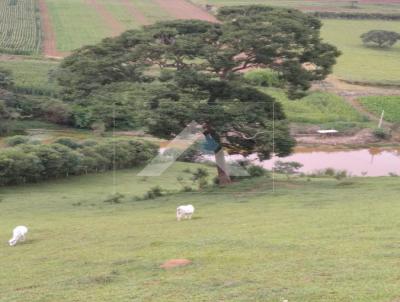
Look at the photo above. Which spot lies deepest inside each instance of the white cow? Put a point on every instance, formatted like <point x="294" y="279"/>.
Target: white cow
<point x="184" y="212"/>
<point x="19" y="234"/>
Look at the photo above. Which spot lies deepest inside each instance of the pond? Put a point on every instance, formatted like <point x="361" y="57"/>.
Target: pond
<point x="362" y="162"/>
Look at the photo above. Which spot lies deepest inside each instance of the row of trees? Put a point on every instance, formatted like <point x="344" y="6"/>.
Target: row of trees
<point x="356" y="16"/>
<point x="33" y="162"/>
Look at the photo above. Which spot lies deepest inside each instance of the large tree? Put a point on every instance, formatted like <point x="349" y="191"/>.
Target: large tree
<point x="380" y="38"/>
<point x="194" y="72"/>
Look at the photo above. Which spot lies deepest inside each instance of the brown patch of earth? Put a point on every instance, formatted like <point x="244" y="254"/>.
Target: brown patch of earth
<point x="49" y="39"/>
<point x="182" y="9"/>
<point x="175" y="263"/>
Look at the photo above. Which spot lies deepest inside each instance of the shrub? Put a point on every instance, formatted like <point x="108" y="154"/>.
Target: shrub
<point x="69" y="142"/>
<point x="339" y="175"/>
<point x="263" y="77"/>
<point x="381" y="133"/>
<point x="115" y="198"/>
<point x="200" y="177"/>
<point x="287" y="168"/>
<point x="17" y="140"/>
<point x="256" y="171"/>
<point x="153" y="193"/>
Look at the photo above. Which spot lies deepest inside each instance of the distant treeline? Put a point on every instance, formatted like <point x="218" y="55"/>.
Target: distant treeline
<point x="356" y="16"/>
<point x="27" y="162"/>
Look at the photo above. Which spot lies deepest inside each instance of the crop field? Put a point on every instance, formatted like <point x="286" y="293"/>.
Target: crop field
<point x="391" y="105"/>
<point x="32" y="76"/>
<point x="358" y="62"/>
<point x="317" y="108"/>
<point x="320" y="240"/>
<point x="79" y="22"/>
<point x="364" y="6"/>
<point x="20" y="31"/>
<point x="75" y="24"/>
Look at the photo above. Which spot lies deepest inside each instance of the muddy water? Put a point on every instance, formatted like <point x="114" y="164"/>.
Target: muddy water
<point x="363" y="162"/>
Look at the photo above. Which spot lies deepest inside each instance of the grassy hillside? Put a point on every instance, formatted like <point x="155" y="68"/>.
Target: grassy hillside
<point x="309" y="241"/>
<point x="360" y="63"/>
<point x="391" y="105"/>
<point x="20" y="31"/>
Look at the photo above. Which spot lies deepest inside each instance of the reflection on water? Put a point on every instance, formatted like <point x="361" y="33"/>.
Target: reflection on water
<point x="368" y="162"/>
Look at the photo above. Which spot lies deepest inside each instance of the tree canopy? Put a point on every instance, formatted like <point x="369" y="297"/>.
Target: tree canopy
<point x="193" y="70"/>
<point x="380" y="38"/>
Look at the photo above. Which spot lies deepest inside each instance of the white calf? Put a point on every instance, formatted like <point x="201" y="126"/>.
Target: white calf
<point x="19" y="234"/>
<point x="184" y="212"/>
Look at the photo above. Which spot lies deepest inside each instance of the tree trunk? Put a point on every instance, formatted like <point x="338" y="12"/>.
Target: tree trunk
<point x="223" y="173"/>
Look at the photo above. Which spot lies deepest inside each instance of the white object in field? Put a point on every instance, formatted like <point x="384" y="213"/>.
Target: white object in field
<point x="381" y="119"/>
<point x="19" y="234"/>
<point x="331" y="131"/>
<point x="184" y="212"/>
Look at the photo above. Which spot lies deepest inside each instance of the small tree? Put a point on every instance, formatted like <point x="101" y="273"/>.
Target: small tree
<point x="380" y="38"/>
<point x="6" y="79"/>
<point x="288" y="168"/>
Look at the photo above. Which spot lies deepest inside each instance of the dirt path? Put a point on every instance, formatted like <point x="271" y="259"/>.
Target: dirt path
<point x="137" y="15"/>
<point x="115" y="26"/>
<point x="182" y="9"/>
<point x="351" y="93"/>
<point x="49" y="37"/>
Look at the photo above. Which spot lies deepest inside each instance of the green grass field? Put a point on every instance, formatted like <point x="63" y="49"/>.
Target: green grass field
<point x="313" y="5"/>
<point x="317" y="108"/>
<point x="152" y="11"/>
<point x="32" y="75"/>
<point x="391" y="105"/>
<point x="322" y="240"/>
<point x="75" y="24"/>
<point x="23" y="36"/>
<point x="360" y="63"/>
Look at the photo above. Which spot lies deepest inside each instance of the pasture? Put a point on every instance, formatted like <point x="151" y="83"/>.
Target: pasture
<point x="391" y="105"/>
<point x="75" y="24"/>
<point x="318" y="240"/>
<point x="20" y="31"/>
<point x="359" y="63"/>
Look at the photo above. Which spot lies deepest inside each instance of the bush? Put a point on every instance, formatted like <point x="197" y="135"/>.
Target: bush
<point x="381" y="133"/>
<point x="263" y="77"/>
<point x="153" y="193"/>
<point x="17" y="140"/>
<point x="287" y="168"/>
<point x="115" y="198"/>
<point x="256" y="171"/>
<point x="69" y="142"/>
<point x="200" y="177"/>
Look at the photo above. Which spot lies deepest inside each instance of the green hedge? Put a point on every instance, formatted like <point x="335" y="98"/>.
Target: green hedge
<point x="37" y="162"/>
<point x="356" y="16"/>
